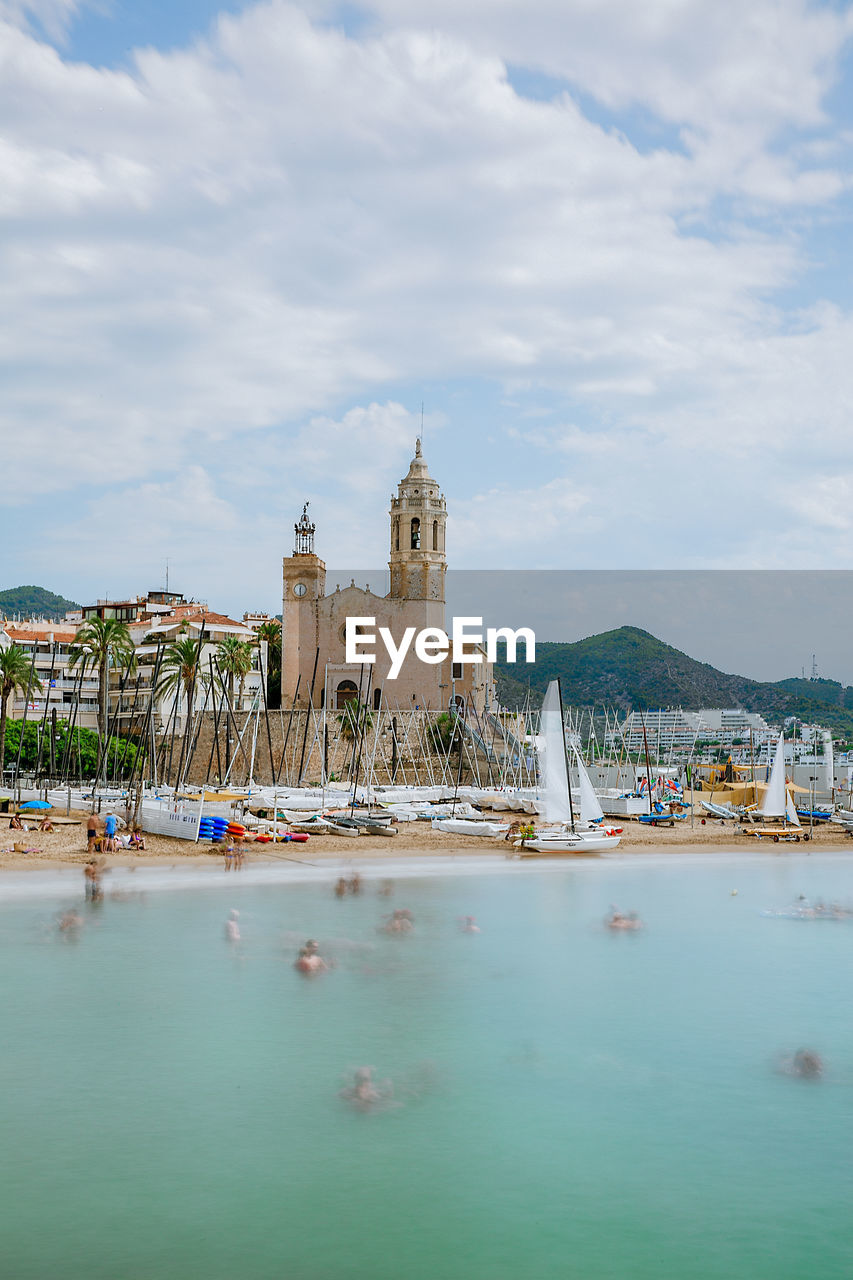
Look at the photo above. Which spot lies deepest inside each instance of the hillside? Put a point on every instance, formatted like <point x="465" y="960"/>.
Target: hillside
<point x="632" y="670"/>
<point x="34" y="602"/>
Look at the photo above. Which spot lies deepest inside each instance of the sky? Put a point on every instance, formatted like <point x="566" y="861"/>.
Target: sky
<point x="598" y="251"/>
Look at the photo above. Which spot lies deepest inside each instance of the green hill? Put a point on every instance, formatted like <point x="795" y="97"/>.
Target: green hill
<point x="34" y="602"/>
<point x="631" y="670"/>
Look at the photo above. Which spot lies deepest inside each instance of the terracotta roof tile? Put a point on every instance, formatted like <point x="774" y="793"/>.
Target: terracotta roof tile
<point x="62" y="635"/>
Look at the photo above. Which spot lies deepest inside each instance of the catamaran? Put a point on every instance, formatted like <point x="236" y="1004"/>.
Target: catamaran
<point x="568" y="835"/>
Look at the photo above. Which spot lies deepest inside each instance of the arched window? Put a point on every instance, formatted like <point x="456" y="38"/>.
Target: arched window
<point x="416" y="534"/>
<point x="345" y="692"/>
<point x="396" y="533"/>
<point x="377" y="699"/>
<point x="435" y="535"/>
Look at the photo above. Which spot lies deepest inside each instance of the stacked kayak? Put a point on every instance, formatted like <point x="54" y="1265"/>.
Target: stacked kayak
<point x="213" y="829"/>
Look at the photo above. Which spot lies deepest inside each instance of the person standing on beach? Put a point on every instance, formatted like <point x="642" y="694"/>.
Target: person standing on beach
<point x="110" y="827"/>
<point x="91" y="833"/>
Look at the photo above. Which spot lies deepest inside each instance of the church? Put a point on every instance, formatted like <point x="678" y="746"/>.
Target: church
<point x="314" y="670"/>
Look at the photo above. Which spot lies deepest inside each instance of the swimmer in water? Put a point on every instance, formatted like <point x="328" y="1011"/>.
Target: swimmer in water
<point x="309" y="959"/>
<point x="354" y="885"/>
<point x="69" y="922"/>
<point x="618" y="920"/>
<point x="402" y="921"/>
<point x="469" y="925"/>
<point x="806" y="1064"/>
<point x="341" y="888"/>
<point x="232" y="928"/>
<point x="365" y="1092"/>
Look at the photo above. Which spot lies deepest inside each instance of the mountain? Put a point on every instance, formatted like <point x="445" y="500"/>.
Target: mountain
<point x="34" y="602"/>
<point x="632" y="670"/>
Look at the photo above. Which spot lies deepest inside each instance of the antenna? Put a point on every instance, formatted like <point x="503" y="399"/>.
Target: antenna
<point x="422" y="421"/>
<point x="167" y="573"/>
<point x="814" y="666"/>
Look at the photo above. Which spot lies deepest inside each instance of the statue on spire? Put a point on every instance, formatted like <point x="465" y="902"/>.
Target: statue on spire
<point x="304" y="531"/>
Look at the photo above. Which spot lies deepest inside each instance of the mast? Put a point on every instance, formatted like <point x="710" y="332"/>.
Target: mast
<point x="648" y="765"/>
<point x="566" y="753"/>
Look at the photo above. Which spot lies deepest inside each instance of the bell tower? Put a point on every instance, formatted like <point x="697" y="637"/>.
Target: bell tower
<point x="418" y="520"/>
<point x="303" y="586"/>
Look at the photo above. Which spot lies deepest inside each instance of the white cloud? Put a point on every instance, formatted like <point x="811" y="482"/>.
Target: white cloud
<point x="276" y="229"/>
<point x="686" y="60"/>
<point x="507" y="522"/>
<point x="52" y="16"/>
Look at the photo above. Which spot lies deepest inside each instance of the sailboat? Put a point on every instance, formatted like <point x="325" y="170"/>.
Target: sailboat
<point x="566" y="836"/>
<point x="778" y="803"/>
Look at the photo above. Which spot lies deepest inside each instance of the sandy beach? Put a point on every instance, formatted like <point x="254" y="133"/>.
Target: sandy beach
<point x="67" y="845"/>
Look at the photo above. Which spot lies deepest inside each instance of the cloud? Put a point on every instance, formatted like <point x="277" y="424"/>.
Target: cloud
<point x="239" y="260"/>
<point x="514" y="522"/>
<point x="51" y="16"/>
<point x="688" y="62"/>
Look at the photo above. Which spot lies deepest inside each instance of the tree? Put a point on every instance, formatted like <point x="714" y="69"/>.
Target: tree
<point x="178" y="671"/>
<point x="445" y="733"/>
<point x="178" y="667"/>
<point x="86" y="754"/>
<point x="271" y="632"/>
<point x="99" y="643"/>
<point x="15" y="668"/>
<point x="235" y="661"/>
<point x="355" y="719"/>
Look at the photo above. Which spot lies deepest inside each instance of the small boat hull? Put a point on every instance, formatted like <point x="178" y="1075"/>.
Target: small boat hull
<point x="563" y="846"/>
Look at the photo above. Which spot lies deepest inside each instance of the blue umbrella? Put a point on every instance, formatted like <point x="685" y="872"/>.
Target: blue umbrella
<point x="36" y="804"/>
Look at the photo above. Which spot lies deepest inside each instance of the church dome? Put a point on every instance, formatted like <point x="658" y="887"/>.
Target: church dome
<point x="418" y="472"/>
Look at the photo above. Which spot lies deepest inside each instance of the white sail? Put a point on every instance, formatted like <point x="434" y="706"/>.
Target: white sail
<point x="828" y="763"/>
<point x="555" y="784"/>
<point x="591" y="810"/>
<point x="791" y="811"/>
<point x="774" y="804"/>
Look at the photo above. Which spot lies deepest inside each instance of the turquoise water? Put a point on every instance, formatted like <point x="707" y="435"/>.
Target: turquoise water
<point x="574" y="1103"/>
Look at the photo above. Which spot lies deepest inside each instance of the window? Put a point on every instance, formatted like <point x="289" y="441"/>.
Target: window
<point x="456" y="673"/>
<point x="377" y="699"/>
<point x="416" y="534"/>
<point x="435" y="535"/>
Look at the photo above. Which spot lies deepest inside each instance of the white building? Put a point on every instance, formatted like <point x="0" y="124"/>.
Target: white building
<point x="61" y="684"/>
<point x="673" y="729"/>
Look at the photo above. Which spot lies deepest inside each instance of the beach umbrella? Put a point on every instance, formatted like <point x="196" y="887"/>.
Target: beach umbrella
<point x="36" y="804"/>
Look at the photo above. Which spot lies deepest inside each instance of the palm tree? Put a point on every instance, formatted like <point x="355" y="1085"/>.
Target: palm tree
<point x="98" y="643"/>
<point x="271" y="632"/>
<point x="15" y="668"/>
<point x="178" y="670"/>
<point x="235" y="660"/>
<point x="178" y="667"/>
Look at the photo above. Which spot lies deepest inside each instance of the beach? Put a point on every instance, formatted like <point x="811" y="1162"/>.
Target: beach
<point x="67" y="844"/>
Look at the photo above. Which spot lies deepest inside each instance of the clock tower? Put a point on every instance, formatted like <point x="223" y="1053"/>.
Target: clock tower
<point x="303" y="587"/>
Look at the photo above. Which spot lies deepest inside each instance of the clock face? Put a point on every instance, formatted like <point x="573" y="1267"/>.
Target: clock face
<point x="300" y="589"/>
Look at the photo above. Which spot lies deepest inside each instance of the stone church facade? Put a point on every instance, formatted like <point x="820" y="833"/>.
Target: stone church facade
<point x="314" y="667"/>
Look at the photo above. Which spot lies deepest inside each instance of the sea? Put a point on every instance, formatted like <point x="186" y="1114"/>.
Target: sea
<point x="558" y="1100"/>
